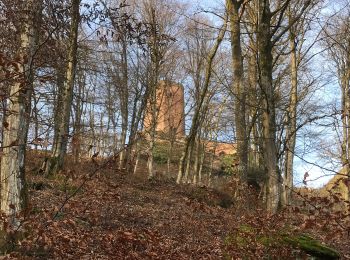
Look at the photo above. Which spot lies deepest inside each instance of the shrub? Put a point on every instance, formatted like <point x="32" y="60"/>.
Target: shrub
<point x="227" y="164"/>
<point x="160" y="153"/>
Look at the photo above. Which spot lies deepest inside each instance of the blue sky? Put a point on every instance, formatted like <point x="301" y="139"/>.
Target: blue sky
<point x="318" y="176"/>
<point x="328" y="92"/>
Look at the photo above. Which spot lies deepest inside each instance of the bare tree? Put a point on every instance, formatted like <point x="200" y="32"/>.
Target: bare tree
<point x="55" y="162"/>
<point x="186" y="156"/>
<point x="13" y="182"/>
<point x="235" y="9"/>
<point x="267" y="37"/>
<point x="338" y="42"/>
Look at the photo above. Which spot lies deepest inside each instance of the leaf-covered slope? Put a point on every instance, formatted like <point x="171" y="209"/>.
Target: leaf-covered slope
<point x="120" y="216"/>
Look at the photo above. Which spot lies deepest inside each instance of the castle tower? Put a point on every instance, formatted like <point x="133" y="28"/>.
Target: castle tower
<point x="170" y="110"/>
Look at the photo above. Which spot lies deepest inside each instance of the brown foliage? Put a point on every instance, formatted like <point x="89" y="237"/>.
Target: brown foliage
<point x="117" y="216"/>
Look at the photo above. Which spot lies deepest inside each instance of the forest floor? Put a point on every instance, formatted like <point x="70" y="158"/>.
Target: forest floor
<point x="107" y="214"/>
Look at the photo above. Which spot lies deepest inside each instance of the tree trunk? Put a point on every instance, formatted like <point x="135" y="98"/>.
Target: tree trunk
<point x="345" y="87"/>
<point x="196" y="160"/>
<point x="13" y="182"/>
<point x="58" y="102"/>
<point x="152" y="133"/>
<point x="170" y="153"/>
<point x="238" y="87"/>
<point x="292" y="124"/>
<point x="268" y="114"/>
<point x="133" y="137"/>
<point x="124" y="106"/>
<point x="189" y="162"/>
<point x="156" y="57"/>
<point x="196" y="117"/>
<point x="35" y="117"/>
<point x="254" y="97"/>
<point x="201" y="162"/>
<point x="55" y="163"/>
<point x="133" y="130"/>
<point x="347" y="84"/>
<point x="77" y="136"/>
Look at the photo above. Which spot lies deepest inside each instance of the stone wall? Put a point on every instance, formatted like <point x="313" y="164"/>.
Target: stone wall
<point x="221" y="148"/>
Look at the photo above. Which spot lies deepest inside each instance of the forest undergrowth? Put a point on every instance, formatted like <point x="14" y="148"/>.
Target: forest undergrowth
<point x="114" y="215"/>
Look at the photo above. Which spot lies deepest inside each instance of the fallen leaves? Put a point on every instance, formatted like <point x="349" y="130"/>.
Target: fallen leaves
<point x="118" y="217"/>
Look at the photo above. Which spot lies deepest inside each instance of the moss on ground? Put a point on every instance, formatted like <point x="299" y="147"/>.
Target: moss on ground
<point x="302" y="243"/>
<point x="312" y="247"/>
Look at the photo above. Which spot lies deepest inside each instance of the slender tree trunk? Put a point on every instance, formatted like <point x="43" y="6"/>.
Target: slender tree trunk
<point x="345" y="87"/>
<point x="55" y="163"/>
<point x="196" y="117"/>
<point x="123" y="139"/>
<point x="211" y="166"/>
<point x="35" y="117"/>
<point x="201" y="162"/>
<point x="152" y="134"/>
<point x="170" y="153"/>
<point x="4" y="93"/>
<point x="188" y="163"/>
<point x="196" y="160"/>
<point x="101" y="138"/>
<point x="252" y="109"/>
<point x="58" y="102"/>
<point x="133" y="129"/>
<point x="124" y="104"/>
<point x="92" y="135"/>
<point x="77" y="136"/>
<point x="238" y="86"/>
<point x="137" y="159"/>
<point x="292" y="124"/>
<point x="156" y="57"/>
<point x="135" y="138"/>
<point x="268" y="114"/>
<point x="13" y="183"/>
<point x="135" y="120"/>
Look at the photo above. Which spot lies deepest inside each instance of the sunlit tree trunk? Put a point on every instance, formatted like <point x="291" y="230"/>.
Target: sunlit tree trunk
<point x="170" y="152"/>
<point x="77" y="135"/>
<point x="13" y="182"/>
<point x="291" y="122"/>
<point x="268" y="114"/>
<point x="58" y="95"/>
<point x="134" y="138"/>
<point x="345" y="87"/>
<point x="152" y="131"/>
<point x="35" y="116"/>
<point x="186" y="156"/>
<point x="124" y="104"/>
<point x="201" y="162"/>
<point x="253" y="108"/>
<point x="239" y="92"/>
<point x="55" y="163"/>
<point x="156" y="57"/>
<point x="196" y="160"/>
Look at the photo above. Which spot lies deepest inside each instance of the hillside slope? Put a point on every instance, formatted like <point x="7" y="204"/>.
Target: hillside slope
<point x="119" y="216"/>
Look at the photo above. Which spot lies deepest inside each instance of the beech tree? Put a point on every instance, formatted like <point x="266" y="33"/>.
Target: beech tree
<point x="337" y="41"/>
<point x="197" y="46"/>
<point x="55" y="162"/>
<point x="235" y="9"/>
<point x="160" y="36"/>
<point x="300" y="88"/>
<point x="16" y="120"/>
<point x="267" y="37"/>
<point x="185" y="160"/>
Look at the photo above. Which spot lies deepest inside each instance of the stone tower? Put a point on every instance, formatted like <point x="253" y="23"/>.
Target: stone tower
<point x="170" y="110"/>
